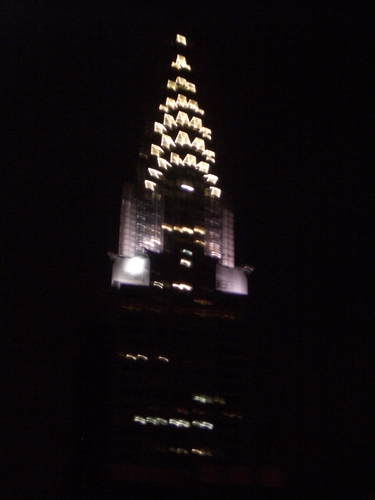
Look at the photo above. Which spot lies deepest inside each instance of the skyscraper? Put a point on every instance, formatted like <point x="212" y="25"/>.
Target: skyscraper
<point x="176" y="221"/>
<point x="181" y="363"/>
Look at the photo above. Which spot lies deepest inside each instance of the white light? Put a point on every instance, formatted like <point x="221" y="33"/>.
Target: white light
<point x="158" y="284"/>
<point x="181" y="63"/>
<point x="141" y="420"/>
<point x="187" y="230"/>
<point x="167" y="141"/>
<point x="182" y="101"/>
<point x="216" y="254"/>
<point x="167" y="227"/>
<point x="203" y="425"/>
<point x="181" y="39"/>
<point x="179" y="422"/>
<point x="196" y="123"/>
<point x="190" y="160"/>
<point x="151" y="420"/>
<point x="140" y="356"/>
<point x="185" y="262"/>
<point x="206" y="133"/>
<point x="175" y="158"/>
<point x="198" y="144"/>
<point x="187" y="252"/>
<point x="187" y="188"/>
<point x="130" y="356"/>
<point x="162" y="163"/>
<point x="156" y="150"/>
<point x="214" y="191"/>
<point x="203" y="166"/>
<point x="182" y="139"/>
<point x="136" y="265"/>
<point x="171" y="85"/>
<point x="163" y="107"/>
<point x="182" y="118"/>
<point x="182" y="286"/>
<point x="162" y="358"/>
<point x="155" y="173"/>
<point x="202" y="452"/>
<point x="170" y="103"/>
<point x="159" y="128"/>
<point x="212" y="179"/>
<point x="169" y="121"/>
<point x="210" y="155"/>
<point x="199" y="230"/>
<point x="200" y="242"/>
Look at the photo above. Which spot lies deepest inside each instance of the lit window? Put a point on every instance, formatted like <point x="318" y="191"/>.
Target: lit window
<point x="187" y="252"/>
<point x="156" y="150"/>
<point x="185" y="262"/>
<point x="162" y="163"/>
<point x="150" y="185"/>
<point x="206" y="132"/>
<point x="140" y="356"/>
<point x="130" y="356"/>
<point x="196" y="123"/>
<point x="181" y="63"/>
<point x="171" y="85"/>
<point x="210" y="155"/>
<point x="203" y="166"/>
<point x="175" y="158"/>
<point x="183" y="139"/>
<point x="199" y="230"/>
<point x="162" y="358"/>
<point x="182" y="118"/>
<point x="169" y="121"/>
<point x="155" y="173"/>
<point x="212" y="179"/>
<point x="181" y="101"/>
<point x="178" y="422"/>
<point x="214" y="192"/>
<point x="167" y="141"/>
<point x="203" y="425"/>
<point x="187" y="230"/>
<point x="202" y="398"/>
<point x="192" y="105"/>
<point x="199" y="242"/>
<point x="171" y="103"/>
<point x="140" y="420"/>
<point x="163" y="107"/>
<point x="159" y="128"/>
<point x="186" y="187"/>
<point x="158" y="284"/>
<point x="183" y="84"/>
<point x="190" y="160"/>
<point x="181" y="39"/>
<point x="167" y="227"/>
<point x="182" y="286"/>
<point x="198" y="144"/>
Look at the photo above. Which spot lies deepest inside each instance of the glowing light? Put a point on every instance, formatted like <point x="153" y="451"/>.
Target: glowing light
<point x="202" y="166"/>
<point x="212" y="179"/>
<point x="162" y="358"/>
<point x="167" y="227"/>
<point x="183" y="139"/>
<point x="167" y="141"/>
<point x="216" y="254"/>
<point x="187" y="230"/>
<point x="182" y="118"/>
<point x="181" y="39"/>
<point x="179" y="450"/>
<point x="163" y="163"/>
<point x="203" y="425"/>
<point x="181" y="63"/>
<point x="179" y="423"/>
<point x="210" y="155"/>
<point x="202" y="398"/>
<point x="171" y="103"/>
<point x="175" y="158"/>
<point x="196" y="123"/>
<point x="150" y="185"/>
<point x="163" y="107"/>
<point x="199" y="230"/>
<point x="140" y="356"/>
<point x="198" y="144"/>
<point x="171" y="85"/>
<point x="200" y="242"/>
<point x="187" y="188"/>
<point x="155" y="173"/>
<point x="140" y="420"/>
<point x="156" y="150"/>
<point x="182" y="286"/>
<point x="158" y="284"/>
<point x="185" y="262"/>
<point x="184" y="84"/>
<point x="190" y="160"/>
<point x="187" y="252"/>
<point x="159" y="128"/>
<point x="136" y="265"/>
<point x="130" y="356"/>
<point x="202" y="452"/>
<point x="214" y="191"/>
<point x="169" y="121"/>
<point x="181" y="101"/>
<point x="206" y="133"/>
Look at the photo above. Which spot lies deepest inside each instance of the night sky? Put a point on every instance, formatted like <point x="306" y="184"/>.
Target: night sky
<point x="286" y="91"/>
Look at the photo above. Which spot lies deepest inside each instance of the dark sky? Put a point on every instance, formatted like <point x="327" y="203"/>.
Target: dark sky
<point x="286" y="92"/>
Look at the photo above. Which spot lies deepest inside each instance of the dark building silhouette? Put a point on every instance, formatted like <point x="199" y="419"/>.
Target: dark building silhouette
<point x="178" y="361"/>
